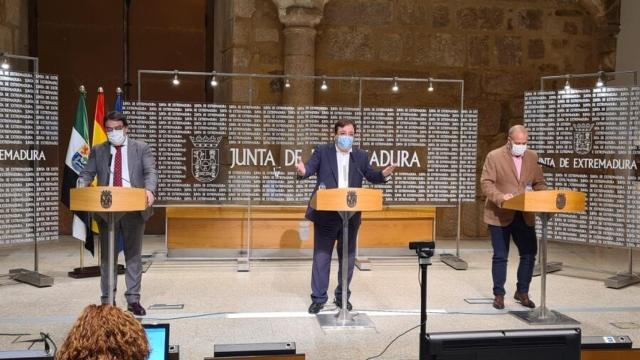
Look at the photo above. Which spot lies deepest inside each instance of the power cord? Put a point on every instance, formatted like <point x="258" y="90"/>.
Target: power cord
<point x="392" y="341"/>
<point x="48" y="340"/>
<point x="44" y="338"/>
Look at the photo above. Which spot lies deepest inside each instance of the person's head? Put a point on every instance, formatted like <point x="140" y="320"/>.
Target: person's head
<point x="517" y="140"/>
<point x="115" y="123"/>
<point x="105" y="332"/>
<point x="344" y="131"/>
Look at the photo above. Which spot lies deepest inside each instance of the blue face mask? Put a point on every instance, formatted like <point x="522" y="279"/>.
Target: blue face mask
<point x="344" y="142"/>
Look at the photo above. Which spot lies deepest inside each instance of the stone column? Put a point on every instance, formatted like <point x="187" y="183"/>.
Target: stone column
<point x="606" y="15"/>
<point x="14" y="30"/>
<point x="300" y="18"/>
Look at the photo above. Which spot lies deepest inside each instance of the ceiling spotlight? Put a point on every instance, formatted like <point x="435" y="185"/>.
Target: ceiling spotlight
<point x="214" y="81"/>
<point x="395" y="87"/>
<point x="175" y="80"/>
<point x="287" y="84"/>
<point x="600" y="81"/>
<point x="324" y="86"/>
<point x="5" y="64"/>
<point x="430" y="88"/>
<point x="567" y="85"/>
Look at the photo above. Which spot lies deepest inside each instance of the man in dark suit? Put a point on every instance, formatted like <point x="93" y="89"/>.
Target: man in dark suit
<point x="508" y="171"/>
<point x="126" y="162"/>
<point x="336" y="165"/>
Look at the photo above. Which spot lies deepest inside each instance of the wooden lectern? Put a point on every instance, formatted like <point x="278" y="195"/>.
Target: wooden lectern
<point x="110" y="201"/>
<point x="346" y="201"/>
<point x="545" y="203"/>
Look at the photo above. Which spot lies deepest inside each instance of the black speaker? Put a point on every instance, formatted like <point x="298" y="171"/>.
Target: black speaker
<point x="606" y="342"/>
<point x="174" y="352"/>
<point x="26" y="355"/>
<point x="222" y="350"/>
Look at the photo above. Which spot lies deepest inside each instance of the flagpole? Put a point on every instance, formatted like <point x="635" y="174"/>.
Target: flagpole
<point x="81" y="255"/>
<point x="82" y="90"/>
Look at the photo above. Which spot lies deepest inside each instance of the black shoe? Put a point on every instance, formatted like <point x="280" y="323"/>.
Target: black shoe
<point x="315" y="307"/>
<point x="338" y="303"/>
<point x="136" y="309"/>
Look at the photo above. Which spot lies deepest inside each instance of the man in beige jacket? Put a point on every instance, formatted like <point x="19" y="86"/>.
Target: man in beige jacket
<point x="508" y="171"/>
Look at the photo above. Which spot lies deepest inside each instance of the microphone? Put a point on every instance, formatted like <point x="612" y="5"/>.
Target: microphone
<point x="353" y="162"/>
<point x="123" y="178"/>
<point x="564" y="176"/>
<point x="542" y="163"/>
<point x="346" y="175"/>
<point x="112" y="173"/>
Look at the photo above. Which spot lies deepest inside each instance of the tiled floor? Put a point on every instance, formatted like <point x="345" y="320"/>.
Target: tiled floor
<point x="269" y="303"/>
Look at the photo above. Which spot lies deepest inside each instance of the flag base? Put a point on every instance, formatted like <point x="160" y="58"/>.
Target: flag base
<point x="90" y="271"/>
<point x="31" y="277"/>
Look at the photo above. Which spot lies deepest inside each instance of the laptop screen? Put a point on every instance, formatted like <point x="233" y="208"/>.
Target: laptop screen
<point x="158" y="336"/>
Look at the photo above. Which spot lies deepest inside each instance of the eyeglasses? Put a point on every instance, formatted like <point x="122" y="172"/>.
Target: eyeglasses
<point x="110" y="129"/>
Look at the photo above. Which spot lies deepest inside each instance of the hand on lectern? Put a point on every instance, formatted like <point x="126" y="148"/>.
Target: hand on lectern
<point x="506" y="197"/>
<point x="150" y="198"/>
<point x="300" y="169"/>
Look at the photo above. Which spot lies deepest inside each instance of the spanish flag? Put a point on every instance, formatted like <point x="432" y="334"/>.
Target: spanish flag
<point x="99" y="135"/>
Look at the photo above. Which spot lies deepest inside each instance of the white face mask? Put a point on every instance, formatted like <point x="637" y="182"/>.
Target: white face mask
<point x="116" y="137"/>
<point x="518" y="150"/>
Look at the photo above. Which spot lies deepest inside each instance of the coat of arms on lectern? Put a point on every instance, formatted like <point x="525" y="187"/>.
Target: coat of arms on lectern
<point x="561" y="201"/>
<point x="205" y="157"/>
<point x="106" y="199"/>
<point x="352" y="199"/>
<point x="582" y="138"/>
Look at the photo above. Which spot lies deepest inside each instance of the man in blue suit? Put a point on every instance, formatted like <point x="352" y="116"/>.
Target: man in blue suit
<point x="336" y="165"/>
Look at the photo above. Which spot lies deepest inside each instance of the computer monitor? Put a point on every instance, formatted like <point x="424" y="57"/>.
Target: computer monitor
<point x="158" y="336"/>
<point x="547" y="344"/>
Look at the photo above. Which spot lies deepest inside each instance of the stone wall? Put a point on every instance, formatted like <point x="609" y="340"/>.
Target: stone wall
<point x="250" y="42"/>
<point x="14" y="27"/>
<point x="500" y="48"/>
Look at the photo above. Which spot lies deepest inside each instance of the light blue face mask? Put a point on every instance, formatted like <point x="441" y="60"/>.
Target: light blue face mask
<point x="344" y="142"/>
<point x="518" y="149"/>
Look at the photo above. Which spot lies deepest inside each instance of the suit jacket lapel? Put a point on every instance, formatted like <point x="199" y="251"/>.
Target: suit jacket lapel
<point x="524" y="168"/>
<point x="105" y="162"/>
<point x="512" y="165"/>
<point x="352" y="170"/>
<point x="333" y="160"/>
<point x="131" y="155"/>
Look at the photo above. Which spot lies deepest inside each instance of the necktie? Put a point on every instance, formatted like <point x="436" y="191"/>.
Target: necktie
<point x="117" y="167"/>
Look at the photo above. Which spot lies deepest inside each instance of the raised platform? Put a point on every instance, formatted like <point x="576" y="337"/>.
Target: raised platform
<point x="219" y="231"/>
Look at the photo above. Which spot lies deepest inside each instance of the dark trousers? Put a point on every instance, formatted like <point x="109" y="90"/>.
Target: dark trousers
<point x="327" y="229"/>
<point x="524" y="236"/>
<point x="131" y="226"/>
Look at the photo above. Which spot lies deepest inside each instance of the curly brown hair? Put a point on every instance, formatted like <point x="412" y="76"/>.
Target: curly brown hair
<point x="105" y="332"/>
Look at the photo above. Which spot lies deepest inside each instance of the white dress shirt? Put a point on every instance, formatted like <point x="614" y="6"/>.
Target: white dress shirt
<point x="343" y="168"/>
